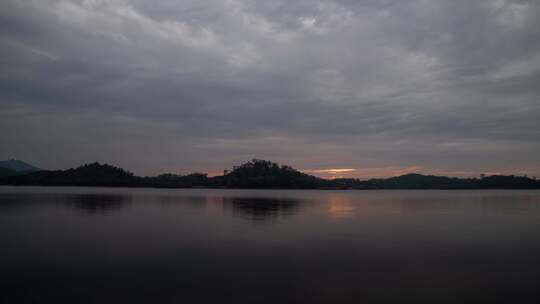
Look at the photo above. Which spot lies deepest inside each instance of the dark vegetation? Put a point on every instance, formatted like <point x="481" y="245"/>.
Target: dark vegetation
<point x="87" y="175"/>
<point x="7" y="172"/>
<point x="253" y="174"/>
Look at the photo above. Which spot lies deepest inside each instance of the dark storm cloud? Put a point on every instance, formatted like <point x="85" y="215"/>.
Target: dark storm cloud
<point x="448" y="86"/>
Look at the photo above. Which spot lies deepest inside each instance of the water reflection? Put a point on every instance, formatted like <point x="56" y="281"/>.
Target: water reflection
<point x="486" y="202"/>
<point x="312" y="246"/>
<point x="11" y="203"/>
<point x="92" y="204"/>
<point x="197" y="202"/>
<point x="505" y="204"/>
<point x="262" y="209"/>
<point x="341" y="207"/>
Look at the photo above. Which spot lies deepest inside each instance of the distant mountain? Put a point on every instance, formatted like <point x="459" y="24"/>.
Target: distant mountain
<point x="419" y="181"/>
<point x="94" y="174"/>
<point x="256" y="173"/>
<point x="18" y="166"/>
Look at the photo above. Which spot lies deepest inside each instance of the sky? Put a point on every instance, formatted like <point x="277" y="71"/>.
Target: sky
<point x="348" y="88"/>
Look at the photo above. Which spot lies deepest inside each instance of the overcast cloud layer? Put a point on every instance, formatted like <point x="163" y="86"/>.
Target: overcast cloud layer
<point x="383" y="87"/>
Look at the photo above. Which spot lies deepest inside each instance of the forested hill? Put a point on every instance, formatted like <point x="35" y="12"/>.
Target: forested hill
<point x="94" y="174"/>
<point x="7" y="172"/>
<point x="266" y="174"/>
<point x="256" y="174"/>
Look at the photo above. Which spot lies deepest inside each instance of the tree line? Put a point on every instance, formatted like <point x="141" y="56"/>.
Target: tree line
<point x="257" y="174"/>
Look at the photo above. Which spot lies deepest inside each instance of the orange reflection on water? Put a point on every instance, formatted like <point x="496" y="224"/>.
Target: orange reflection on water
<point x="364" y="205"/>
<point x="214" y="205"/>
<point x="341" y="207"/>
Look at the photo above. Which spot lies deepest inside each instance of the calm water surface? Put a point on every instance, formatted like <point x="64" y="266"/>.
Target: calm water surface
<point x="102" y="245"/>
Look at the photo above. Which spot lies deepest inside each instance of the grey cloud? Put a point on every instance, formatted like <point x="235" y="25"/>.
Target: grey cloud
<point x="204" y="84"/>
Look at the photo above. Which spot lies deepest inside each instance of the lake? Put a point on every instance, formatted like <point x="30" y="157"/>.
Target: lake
<point x="117" y="245"/>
